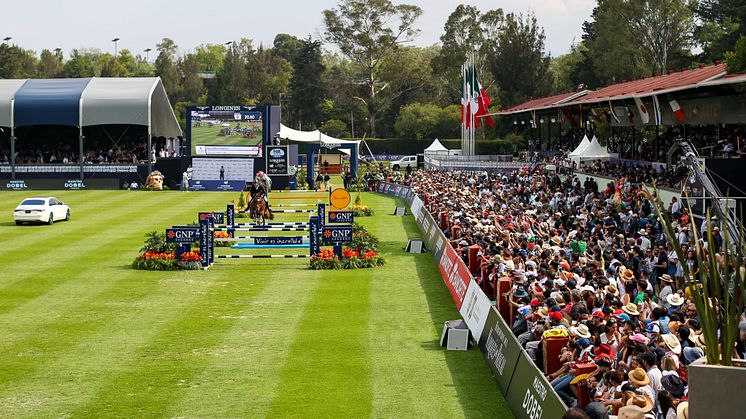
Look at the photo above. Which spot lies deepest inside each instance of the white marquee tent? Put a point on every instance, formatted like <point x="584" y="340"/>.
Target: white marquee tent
<point x="436" y="147"/>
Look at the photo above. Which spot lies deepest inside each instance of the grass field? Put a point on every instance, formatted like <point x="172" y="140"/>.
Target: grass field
<point x="205" y="135"/>
<point x="83" y="335"/>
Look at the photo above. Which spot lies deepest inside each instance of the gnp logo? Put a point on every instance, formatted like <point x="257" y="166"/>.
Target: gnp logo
<point x="341" y="217"/>
<point x="171" y="234"/>
<point x="277" y="153"/>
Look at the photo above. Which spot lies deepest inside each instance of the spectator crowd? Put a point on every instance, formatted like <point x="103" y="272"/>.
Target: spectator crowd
<point x="589" y="263"/>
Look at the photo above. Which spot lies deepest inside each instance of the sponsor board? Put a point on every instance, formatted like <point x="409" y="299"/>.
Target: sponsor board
<point x="277" y="160"/>
<point x="208" y="169"/>
<point x="278" y="241"/>
<point x="218" y="216"/>
<point x="59" y="184"/>
<point x="70" y="168"/>
<point x="182" y="234"/>
<point x="344" y="217"/>
<point x="530" y="395"/>
<point x="455" y="274"/>
<point x="475" y="308"/>
<point x="336" y="235"/>
<point x="339" y="198"/>
<point x="216" y="185"/>
<point x="500" y="349"/>
<point x="15" y="185"/>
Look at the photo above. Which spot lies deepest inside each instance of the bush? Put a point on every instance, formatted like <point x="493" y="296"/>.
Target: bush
<point x="334" y="128"/>
<point x="417" y="121"/>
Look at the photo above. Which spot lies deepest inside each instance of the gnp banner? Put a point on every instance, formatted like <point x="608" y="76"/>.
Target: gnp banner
<point x="455" y="274"/>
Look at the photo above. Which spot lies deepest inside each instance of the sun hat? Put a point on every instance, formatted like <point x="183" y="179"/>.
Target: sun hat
<point x="699" y="341"/>
<point x="639" y="338"/>
<point x="673" y="384"/>
<point x="643" y="232"/>
<point x="520" y="293"/>
<point x="631" y="412"/>
<point x="682" y="410"/>
<point x="580" y="331"/>
<point x="675" y="299"/>
<point x="628" y="274"/>
<point x="638" y="377"/>
<point x="612" y="289"/>
<point x="556" y="240"/>
<point x="584" y="342"/>
<point x="543" y="312"/>
<point x="604" y="350"/>
<point x="641" y="401"/>
<point x="509" y="265"/>
<point x="666" y="278"/>
<point x="672" y="342"/>
<point x="673" y="326"/>
<point x="631" y="309"/>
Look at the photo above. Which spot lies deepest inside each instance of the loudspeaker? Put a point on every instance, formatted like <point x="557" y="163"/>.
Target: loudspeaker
<point x="400" y="211"/>
<point x="455" y="336"/>
<point x="415" y="246"/>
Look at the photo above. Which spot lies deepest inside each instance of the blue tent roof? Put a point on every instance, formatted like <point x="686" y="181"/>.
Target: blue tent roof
<point x="49" y="102"/>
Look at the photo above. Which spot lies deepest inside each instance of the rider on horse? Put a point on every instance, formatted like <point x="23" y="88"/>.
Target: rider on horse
<point x="260" y="188"/>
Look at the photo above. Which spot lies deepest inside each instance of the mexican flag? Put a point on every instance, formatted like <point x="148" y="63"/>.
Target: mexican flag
<point x="474" y="99"/>
<point x="484" y="107"/>
<point x="677" y="111"/>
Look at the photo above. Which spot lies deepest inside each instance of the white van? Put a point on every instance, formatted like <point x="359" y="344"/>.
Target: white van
<point x="403" y="162"/>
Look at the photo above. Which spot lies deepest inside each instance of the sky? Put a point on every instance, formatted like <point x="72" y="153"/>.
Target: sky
<point x="141" y="24"/>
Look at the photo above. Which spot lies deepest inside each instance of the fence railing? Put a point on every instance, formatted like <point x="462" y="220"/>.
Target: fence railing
<point x="432" y="163"/>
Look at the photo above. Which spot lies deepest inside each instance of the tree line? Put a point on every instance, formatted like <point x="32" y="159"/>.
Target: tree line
<point x="372" y="82"/>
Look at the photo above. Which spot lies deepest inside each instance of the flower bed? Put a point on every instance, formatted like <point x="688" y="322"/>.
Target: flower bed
<point x="157" y="255"/>
<point x="222" y="235"/>
<point x="360" y="253"/>
<point x="361" y="210"/>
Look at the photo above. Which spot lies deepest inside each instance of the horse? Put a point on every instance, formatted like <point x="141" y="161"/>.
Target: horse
<point x="259" y="211"/>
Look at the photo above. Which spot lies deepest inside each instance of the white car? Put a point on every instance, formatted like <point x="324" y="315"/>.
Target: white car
<point x="41" y="210"/>
<point x="403" y="162"/>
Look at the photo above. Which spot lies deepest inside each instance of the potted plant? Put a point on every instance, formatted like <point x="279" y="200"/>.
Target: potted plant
<point x="718" y="294"/>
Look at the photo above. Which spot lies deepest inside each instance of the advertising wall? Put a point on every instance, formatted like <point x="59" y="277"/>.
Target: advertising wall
<point x="524" y="386"/>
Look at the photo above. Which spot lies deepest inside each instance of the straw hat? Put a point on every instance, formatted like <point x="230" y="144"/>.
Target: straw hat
<point x="673" y="326"/>
<point x="682" y="410"/>
<point x="509" y="265"/>
<point x="628" y="275"/>
<point x="556" y="240"/>
<point x="638" y="377"/>
<point x="612" y="289"/>
<point x="666" y="278"/>
<point x="580" y="331"/>
<point x="699" y="341"/>
<point x="675" y="299"/>
<point x="631" y="309"/>
<point x="643" y="232"/>
<point x="641" y="401"/>
<point x="631" y="412"/>
<point x="672" y="342"/>
<point x="543" y="312"/>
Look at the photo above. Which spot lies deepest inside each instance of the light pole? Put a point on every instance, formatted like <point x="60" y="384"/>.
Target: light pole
<point x="115" y="40"/>
<point x="7" y="38"/>
<point x="147" y="53"/>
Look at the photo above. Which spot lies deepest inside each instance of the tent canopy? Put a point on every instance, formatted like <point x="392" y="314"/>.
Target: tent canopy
<point x="435" y="147"/>
<point x="594" y="151"/>
<point x="88" y="101"/>
<point x="581" y="147"/>
<point x="311" y="137"/>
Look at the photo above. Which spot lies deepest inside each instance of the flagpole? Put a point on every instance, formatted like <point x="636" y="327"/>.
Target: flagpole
<point x="473" y="113"/>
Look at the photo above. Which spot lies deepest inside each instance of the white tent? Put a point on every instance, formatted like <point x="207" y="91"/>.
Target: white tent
<point x="594" y="151"/>
<point x="311" y="137"/>
<point x="436" y="147"/>
<point x="582" y="146"/>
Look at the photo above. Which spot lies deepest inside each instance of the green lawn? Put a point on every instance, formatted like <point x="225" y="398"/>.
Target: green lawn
<point x="205" y="135"/>
<point x="82" y="334"/>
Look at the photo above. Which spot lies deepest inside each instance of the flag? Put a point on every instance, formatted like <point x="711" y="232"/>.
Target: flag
<point x="470" y="96"/>
<point x="642" y="110"/>
<point x="560" y="116"/>
<point x="613" y="114"/>
<point x="484" y="107"/>
<point x="630" y="115"/>
<point x="677" y="111"/>
<point x="657" y="111"/>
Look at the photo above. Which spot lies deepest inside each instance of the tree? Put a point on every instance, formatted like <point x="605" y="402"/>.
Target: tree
<point x="334" y="128"/>
<point x="737" y="58"/>
<point x="192" y="88"/>
<point x="307" y="89"/>
<point x="209" y="57"/>
<point x="50" y="65"/>
<point x="16" y="62"/>
<point x="562" y="68"/>
<point x="165" y="68"/>
<point x="286" y="46"/>
<point x="417" y="121"/>
<point x="721" y="23"/>
<point x="364" y="32"/>
<point x="520" y="66"/>
<point x="231" y="80"/>
<point x="467" y="30"/>
<point x="83" y="63"/>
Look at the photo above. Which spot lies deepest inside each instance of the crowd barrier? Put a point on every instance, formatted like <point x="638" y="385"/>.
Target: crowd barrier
<point x="524" y="386"/>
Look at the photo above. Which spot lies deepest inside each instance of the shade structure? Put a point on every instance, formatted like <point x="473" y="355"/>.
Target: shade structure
<point x="48" y="102"/>
<point x="88" y="101"/>
<point x="311" y="137"/>
<point x="582" y="146"/>
<point x="436" y="147"/>
<point x="594" y="151"/>
<point x="8" y="88"/>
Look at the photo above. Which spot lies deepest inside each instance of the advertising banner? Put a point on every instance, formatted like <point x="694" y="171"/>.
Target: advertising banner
<point x="217" y="185"/>
<point x="226" y="130"/>
<point x="219" y="216"/>
<point x="334" y="235"/>
<point x="232" y="169"/>
<point x="530" y="395"/>
<point x="278" y="241"/>
<point x="59" y="184"/>
<point x="499" y="348"/>
<point x="344" y="217"/>
<point x="455" y="274"/>
<point x="475" y="309"/>
<point x="277" y="160"/>
<point x="182" y="234"/>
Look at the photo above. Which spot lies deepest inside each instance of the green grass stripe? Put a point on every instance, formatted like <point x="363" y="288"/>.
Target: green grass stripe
<point x="328" y="371"/>
<point x="241" y="378"/>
